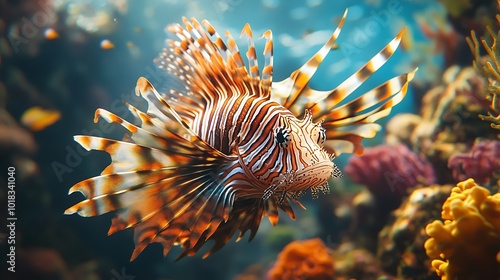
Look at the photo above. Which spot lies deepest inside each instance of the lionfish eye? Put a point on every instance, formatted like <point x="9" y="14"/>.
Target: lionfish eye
<point x="282" y="136"/>
<point x="321" y="136"/>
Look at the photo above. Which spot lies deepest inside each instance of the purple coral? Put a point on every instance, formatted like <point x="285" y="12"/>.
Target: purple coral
<point x="390" y="170"/>
<point x="480" y="163"/>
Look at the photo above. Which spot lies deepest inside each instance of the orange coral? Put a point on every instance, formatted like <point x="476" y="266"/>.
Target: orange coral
<point x="307" y="259"/>
<point x="467" y="244"/>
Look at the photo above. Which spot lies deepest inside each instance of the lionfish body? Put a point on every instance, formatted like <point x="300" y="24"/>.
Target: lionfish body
<point x="230" y="146"/>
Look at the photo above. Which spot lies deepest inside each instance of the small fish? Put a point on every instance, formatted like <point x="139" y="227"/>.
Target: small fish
<point x="37" y="118"/>
<point x="133" y="49"/>
<point x="107" y="44"/>
<point x="229" y="146"/>
<point x="51" y="34"/>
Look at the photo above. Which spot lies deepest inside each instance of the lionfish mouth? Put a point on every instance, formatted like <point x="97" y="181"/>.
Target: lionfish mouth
<point x="314" y="178"/>
<point x="315" y="175"/>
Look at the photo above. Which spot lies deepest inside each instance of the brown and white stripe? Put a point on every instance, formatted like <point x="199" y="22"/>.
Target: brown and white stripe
<point x="229" y="146"/>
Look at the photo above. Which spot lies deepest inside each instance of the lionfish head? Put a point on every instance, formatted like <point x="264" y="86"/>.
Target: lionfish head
<point x="301" y="162"/>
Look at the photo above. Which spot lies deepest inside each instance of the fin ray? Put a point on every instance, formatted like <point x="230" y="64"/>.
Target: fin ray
<point x="299" y="79"/>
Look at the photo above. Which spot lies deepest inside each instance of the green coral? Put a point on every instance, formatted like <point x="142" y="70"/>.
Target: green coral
<point x="489" y="68"/>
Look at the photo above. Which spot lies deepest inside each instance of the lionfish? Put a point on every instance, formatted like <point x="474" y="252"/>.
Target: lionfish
<point x="230" y="146"/>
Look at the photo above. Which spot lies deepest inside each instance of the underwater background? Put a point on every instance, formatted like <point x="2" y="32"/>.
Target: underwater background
<point x="436" y="159"/>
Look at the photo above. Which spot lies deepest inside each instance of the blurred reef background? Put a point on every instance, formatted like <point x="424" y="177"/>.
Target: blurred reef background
<point x="420" y="203"/>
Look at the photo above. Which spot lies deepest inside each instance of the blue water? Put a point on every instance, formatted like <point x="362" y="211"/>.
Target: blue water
<point x="368" y="28"/>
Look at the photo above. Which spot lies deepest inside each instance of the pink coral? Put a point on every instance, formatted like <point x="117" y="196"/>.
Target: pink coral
<point x="390" y="170"/>
<point x="480" y="163"/>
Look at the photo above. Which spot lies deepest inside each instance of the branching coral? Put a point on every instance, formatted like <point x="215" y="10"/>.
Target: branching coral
<point x="467" y="244"/>
<point x="481" y="163"/>
<point x="300" y="260"/>
<point x="489" y="68"/>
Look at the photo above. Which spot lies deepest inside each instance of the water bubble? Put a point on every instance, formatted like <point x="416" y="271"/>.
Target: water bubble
<point x="314" y="3"/>
<point x="299" y="13"/>
<point x="356" y="12"/>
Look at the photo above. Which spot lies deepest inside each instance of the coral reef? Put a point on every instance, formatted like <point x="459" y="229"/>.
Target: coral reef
<point x="356" y="263"/>
<point x="467" y="244"/>
<point x="401" y="242"/>
<point x="400" y="128"/>
<point x="369" y="216"/>
<point x="389" y="171"/>
<point x="17" y="145"/>
<point x="447" y="123"/>
<point x="311" y="259"/>
<point x="467" y="15"/>
<point x="307" y="259"/>
<point x="253" y="272"/>
<point x="489" y="68"/>
<point x="480" y="163"/>
<point x="335" y="214"/>
<point x="451" y="105"/>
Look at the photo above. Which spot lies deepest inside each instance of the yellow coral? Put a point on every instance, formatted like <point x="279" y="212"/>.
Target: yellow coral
<point x="467" y="244"/>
